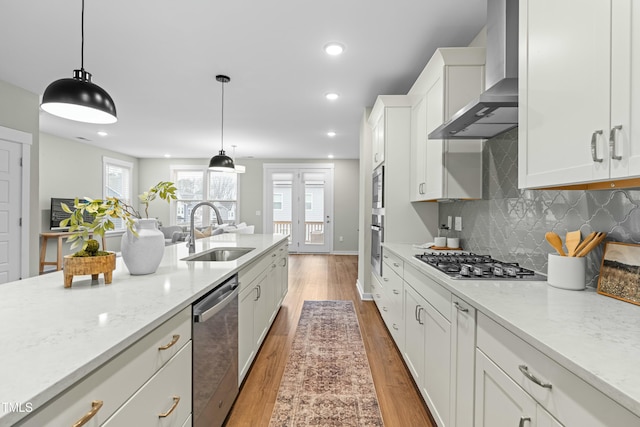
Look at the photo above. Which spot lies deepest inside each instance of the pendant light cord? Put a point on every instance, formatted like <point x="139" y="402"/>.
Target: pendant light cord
<point x="222" y="122"/>
<point x="82" y="39"/>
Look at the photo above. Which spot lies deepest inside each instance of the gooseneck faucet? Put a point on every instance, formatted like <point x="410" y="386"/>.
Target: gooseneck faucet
<point x="191" y="243"/>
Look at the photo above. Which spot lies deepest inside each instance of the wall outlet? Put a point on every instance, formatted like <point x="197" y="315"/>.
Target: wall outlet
<point x="258" y="213"/>
<point x="449" y="222"/>
<point x="458" y="226"/>
<point x="341" y="239"/>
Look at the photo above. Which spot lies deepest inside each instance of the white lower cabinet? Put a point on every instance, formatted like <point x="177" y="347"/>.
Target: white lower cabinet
<point x="428" y="352"/>
<point x="463" y="352"/>
<point x="507" y="365"/>
<point x="164" y="401"/>
<point x="263" y="286"/>
<point x="99" y="395"/>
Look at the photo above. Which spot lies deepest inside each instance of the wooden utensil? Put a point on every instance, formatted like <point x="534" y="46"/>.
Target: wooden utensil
<point x="584" y="243"/>
<point x="571" y="241"/>
<point x="592" y="245"/>
<point x="555" y="241"/>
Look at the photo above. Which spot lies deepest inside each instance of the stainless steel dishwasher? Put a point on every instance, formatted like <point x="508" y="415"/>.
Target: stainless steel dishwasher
<point x="215" y="354"/>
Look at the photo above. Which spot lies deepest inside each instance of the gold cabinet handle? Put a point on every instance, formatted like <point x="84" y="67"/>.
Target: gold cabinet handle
<point x="95" y="407"/>
<point x="176" y="400"/>
<point x="171" y="344"/>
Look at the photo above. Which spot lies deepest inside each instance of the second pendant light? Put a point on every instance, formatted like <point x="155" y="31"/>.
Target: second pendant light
<point x="221" y="162"/>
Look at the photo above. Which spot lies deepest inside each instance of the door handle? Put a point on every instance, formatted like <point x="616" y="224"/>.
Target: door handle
<point x="594" y="149"/>
<point x="612" y="142"/>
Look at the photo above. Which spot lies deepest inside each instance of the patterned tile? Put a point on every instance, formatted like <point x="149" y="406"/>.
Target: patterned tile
<point x="510" y="223"/>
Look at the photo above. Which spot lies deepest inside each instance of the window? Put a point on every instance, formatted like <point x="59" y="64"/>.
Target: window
<point x="277" y="201"/>
<point x="198" y="184"/>
<point x="117" y="182"/>
<point x="308" y="201"/>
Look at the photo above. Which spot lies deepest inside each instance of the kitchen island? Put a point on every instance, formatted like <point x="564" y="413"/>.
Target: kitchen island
<point x="53" y="337"/>
<point x="585" y="340"/>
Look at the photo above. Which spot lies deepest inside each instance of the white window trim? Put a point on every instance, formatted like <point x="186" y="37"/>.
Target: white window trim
<point x="111" y="161"/>
<point x="205" y="177"/>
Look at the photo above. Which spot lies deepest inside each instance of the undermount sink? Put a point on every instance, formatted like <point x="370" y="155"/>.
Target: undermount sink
<point x="219" y="254"/>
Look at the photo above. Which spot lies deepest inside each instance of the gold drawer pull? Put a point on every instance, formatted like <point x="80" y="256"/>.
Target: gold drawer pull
<point x="175" y="339"/>
<point x="176" y="400"/>
<point x="95" y="407"/>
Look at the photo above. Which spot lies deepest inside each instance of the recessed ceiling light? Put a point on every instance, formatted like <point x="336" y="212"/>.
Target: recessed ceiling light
<point x="331" y="134"/>
<point x="330" y="156"/>
<point x="102" y="133"/>
<point x="167" y="155"/>
<point x="334" y="48"/>
<point x="332" y="96"/>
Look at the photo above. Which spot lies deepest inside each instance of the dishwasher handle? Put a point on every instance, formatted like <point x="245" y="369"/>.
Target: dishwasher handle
<point x="213" y="303"/>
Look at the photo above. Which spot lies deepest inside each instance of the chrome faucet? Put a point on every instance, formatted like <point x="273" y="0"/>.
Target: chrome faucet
<point x="191" y="242"/>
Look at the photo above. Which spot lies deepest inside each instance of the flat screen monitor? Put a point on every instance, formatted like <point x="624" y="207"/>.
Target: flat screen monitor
<point x="57" y="214"/>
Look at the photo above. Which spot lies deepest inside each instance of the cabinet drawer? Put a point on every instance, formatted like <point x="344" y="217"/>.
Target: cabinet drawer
<point x="393" y="262"/>
<point x="253" y="270"/>
<point x="164" y="401"/>
<point x="430" y="290"/>
<point x="571" y="400"/>
<point x="118" y="379"/>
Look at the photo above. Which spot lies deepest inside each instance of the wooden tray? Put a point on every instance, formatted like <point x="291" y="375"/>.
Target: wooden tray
<point x="444" y="248"/>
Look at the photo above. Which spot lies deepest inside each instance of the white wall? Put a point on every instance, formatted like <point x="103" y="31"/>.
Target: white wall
<point x="251" y="187"/>
<point x="19" y="110"/>
<point x="73" y="169"/>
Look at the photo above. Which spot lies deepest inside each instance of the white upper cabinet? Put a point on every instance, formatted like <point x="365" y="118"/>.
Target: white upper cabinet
<point x="577" y="94"/>
<point x="442" y="169"/>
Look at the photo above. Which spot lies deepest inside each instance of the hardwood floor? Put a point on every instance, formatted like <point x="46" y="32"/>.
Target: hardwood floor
<point x="329" y="277"/>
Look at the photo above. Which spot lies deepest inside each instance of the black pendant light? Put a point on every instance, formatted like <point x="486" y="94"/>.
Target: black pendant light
<point x="79" y="99"/>
<point x="222" y="162"/>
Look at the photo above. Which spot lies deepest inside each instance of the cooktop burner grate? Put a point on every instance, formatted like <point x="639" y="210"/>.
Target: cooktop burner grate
<point x="467" y="265"/>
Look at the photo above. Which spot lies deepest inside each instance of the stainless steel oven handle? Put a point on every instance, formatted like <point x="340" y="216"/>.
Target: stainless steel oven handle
<point x="208" y="314"/>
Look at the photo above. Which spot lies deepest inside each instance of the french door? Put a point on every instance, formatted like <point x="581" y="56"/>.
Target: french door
<point x="298" y="201"/>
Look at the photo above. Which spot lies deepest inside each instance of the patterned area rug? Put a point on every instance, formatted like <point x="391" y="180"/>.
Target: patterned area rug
<point x="327" y="380"/>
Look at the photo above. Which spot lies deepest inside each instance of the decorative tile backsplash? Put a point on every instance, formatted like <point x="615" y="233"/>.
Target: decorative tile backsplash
<point x="510" y="224"/>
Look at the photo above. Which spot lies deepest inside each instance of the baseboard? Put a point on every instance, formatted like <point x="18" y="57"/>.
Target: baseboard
<point x="363" y="296"/>
<point x="344" y="253"/>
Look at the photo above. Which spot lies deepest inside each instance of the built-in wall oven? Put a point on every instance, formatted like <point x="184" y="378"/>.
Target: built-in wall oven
<point x="215" y="354"/>
<point x="377" y="219"/>
<point x="377" y="237"/>
<point x="377" y="183"/>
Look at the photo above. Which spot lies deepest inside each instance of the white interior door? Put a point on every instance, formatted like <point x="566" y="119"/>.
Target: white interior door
<point x="10" y="211"/>
<point x="299" y="202"/>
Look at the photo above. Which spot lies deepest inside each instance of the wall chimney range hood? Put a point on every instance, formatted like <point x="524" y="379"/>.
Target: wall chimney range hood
<point x="496" y="110"/>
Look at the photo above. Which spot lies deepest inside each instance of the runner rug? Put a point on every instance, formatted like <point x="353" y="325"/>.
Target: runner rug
<point x="327" y="380"/>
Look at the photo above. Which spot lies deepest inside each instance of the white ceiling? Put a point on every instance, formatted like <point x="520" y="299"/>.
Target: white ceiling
<point x="158" y="60"/>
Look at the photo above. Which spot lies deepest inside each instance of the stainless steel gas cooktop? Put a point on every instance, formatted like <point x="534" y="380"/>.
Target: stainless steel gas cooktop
<point x="466" y="265"/>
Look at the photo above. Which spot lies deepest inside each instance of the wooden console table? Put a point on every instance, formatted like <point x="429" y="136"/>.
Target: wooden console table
<point x="60" y="235"/>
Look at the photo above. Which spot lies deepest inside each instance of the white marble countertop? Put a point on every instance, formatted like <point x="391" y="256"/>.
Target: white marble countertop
<point x="52" y="336"/>
<point x="594" y="336"/>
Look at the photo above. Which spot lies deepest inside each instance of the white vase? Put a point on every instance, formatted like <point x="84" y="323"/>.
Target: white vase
<point x="142" y="254"/>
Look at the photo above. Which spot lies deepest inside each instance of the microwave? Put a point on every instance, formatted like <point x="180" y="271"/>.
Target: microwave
<point x="377" y="183"/>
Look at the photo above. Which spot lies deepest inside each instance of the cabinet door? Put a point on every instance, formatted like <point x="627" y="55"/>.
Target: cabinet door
<point x="463" y="345"/>
<point x="500" y="402"/>
<point x="414" y="334"/>
<point x="565" y="91"/>
<point x="418" y="149"/>
<point x="435" y="147"/>
<point x="437" y="363"/>
<point x="378" y="136"/>
<point x="263" y="308"/>
<point x="284" y="277"/>
<point x="246" y="342"/>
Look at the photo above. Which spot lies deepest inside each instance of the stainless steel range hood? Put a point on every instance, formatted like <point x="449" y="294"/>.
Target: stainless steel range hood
<point x="496" y="110"/>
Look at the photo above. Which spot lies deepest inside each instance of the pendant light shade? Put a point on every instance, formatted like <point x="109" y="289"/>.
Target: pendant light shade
<point x="222" y="162"/>
<point x="78" y="98"/>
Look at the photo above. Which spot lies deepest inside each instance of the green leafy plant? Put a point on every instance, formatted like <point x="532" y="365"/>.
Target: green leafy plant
<point x="103" y="211"/>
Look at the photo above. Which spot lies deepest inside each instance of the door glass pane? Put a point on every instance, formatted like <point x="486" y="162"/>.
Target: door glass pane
<point x="314" y="212"/>
<point x="282" y="203"/>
